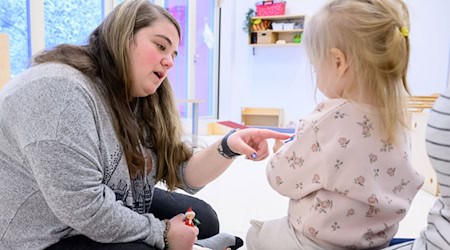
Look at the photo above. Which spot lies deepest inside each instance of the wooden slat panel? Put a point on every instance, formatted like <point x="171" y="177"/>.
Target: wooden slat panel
<point x="420" y="103"/>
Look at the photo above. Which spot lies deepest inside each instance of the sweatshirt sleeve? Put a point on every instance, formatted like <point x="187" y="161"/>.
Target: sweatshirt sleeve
<point x="71" y="183"/>
<point x="295" y="170"/>
<point x="184" y="185"/>
<point x="59" y="134"/>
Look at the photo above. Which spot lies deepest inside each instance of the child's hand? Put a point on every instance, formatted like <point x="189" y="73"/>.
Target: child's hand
<point x="252" y="142"/>
<point x="277" y="145"/>
<point x="180" y="236"/>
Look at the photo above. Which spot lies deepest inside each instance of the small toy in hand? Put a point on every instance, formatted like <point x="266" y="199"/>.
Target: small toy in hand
<point x="190" y="219"/>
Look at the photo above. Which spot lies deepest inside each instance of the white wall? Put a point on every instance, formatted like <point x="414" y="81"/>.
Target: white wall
<point x="281" y="78"/>
<point x="430" y="45"/>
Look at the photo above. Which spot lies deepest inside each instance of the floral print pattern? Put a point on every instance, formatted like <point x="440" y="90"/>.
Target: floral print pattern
<point x="338" y="164"/>
<point x="343" y="142"/>
<point x="315" y="147"/>
<point x="366" y="126"/>
<point x="387" y="146"/>
<point x="360" y="180"/>
<point x="294" y="161"/>
<point x="322" y="206"/>
<point x="342" y="176"/>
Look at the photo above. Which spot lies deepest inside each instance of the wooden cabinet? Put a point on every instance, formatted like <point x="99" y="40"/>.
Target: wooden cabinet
<point x="271" y="117"/>
<point x="276" y="30"/>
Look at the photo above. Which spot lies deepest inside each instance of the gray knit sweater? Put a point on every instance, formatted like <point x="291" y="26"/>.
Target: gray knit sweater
<point x="62" y="169"/>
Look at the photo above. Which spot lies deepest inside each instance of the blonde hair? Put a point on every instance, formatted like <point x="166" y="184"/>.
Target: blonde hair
<point x="151" y="121"/>
<point x="369" y="33"/>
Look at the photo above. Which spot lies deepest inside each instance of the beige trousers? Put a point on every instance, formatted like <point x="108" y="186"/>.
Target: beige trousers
<point x="276" y="234"/>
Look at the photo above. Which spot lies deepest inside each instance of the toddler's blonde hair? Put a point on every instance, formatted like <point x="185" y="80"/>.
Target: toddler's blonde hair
<point x="373" y="36"/>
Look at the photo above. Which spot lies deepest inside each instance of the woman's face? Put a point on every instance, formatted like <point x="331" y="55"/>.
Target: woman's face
<point x="152" y="53"/>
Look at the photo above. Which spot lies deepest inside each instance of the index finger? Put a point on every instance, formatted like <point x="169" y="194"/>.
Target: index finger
<point x="267" y="133"/>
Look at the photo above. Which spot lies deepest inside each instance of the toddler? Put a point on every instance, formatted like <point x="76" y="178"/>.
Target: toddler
<point x="348" y="170"/>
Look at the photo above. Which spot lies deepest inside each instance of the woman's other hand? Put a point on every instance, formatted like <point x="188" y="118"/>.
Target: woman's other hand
<point x="180" y="235"/>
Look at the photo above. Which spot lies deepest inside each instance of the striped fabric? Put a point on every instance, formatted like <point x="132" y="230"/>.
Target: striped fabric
<point x="437" y="234"/>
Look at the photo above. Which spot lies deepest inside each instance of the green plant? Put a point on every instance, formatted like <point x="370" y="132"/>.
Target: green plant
<point x="248" y="20"/>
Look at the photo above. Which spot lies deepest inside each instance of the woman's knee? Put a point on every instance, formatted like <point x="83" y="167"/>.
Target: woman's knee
<point x="166" y="205"/>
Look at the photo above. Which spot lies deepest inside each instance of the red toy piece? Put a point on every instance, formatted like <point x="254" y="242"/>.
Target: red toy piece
<point x="190" y="219"/>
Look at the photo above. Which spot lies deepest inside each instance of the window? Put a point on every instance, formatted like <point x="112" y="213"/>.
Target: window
<point x="194" y="78"/>
<point x="70" y="21"/>
<point x="14" y="22"/>
<point x="204" y="57"/>
<point x="178" y="75"/>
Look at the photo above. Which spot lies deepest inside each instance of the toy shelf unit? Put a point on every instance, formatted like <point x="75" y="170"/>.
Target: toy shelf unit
<point x="269" y="117"/>
<point x="285" y="30"/>
<point x="418" y="110"/>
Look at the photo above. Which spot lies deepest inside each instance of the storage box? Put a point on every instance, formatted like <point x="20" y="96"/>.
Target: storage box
<point x="277" y="26"/>
<point x="267" y="37"/>
<point x="288" y="26"/>
<point x="270" y="8"/>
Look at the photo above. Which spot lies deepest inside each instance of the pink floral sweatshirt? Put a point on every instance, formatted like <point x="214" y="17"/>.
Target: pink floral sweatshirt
<point x="348" y="186"/>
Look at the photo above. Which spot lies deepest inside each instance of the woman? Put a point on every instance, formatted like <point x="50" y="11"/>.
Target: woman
<point x="89" y="130"/>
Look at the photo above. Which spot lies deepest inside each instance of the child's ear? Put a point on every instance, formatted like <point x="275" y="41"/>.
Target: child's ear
<point x="340" y="61"/>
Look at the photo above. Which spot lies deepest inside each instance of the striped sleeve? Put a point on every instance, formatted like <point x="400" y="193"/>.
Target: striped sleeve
<point x="437" y="234"/>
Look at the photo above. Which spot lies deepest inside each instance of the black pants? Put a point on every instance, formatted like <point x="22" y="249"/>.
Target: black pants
<point x="165" y="205"/>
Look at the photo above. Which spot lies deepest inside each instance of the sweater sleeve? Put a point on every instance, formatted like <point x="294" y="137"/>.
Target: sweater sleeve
<point x="294" y="171"/>
<point x="59" y="133"/>
<point x="184" y="185"/>
<point x="71" y="183"/>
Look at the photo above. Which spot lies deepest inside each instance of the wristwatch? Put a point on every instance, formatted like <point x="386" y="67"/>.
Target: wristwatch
<point x="223" y="148"/>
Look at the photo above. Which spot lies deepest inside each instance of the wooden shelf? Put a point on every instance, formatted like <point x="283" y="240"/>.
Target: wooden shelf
<point x="272" y="117"/>
<point x="284" y="28"/>
<point x="278" y="18"/>
<point x="279" y="31"/>
<point x="276" y="45"/>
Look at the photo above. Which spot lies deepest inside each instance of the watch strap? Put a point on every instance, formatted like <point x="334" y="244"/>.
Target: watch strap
<point x="223" y="148"/>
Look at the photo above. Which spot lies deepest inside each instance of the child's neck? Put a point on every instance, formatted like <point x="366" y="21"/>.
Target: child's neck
<point x="356" y="93"/>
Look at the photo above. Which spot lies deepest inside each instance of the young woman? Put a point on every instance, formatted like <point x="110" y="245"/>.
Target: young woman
<point x="89" y="130"/>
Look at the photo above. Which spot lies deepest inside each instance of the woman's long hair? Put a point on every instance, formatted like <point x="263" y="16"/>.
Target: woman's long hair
<point x="151" y="121"/>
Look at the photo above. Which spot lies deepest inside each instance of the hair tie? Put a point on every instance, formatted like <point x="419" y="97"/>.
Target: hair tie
<point x="404" y="31"/>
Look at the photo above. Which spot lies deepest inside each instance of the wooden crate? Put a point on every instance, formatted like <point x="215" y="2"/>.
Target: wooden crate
<point x="272" y="117"/>
<point x="5" y="67"/>
<point x="266" y="36"/>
